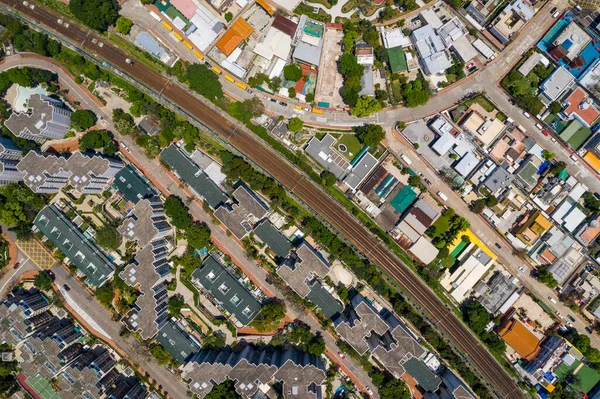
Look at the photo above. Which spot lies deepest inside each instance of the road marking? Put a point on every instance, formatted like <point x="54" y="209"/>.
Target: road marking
<point x="38" y="254"/>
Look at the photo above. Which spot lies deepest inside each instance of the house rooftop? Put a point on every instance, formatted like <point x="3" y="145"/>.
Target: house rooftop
<point x="193" y="176"/>
<point x="302" y="268"/>
<point x="523" y="341"/>
<point x="132" y="185"/>
<point x="177" y="342"/>
<point x="81" y="251"/>
<point x="361" y="170"/>
<point x="240" y="216"/>
<point x="275" y="240"/>
<point x="582" y="107"/>
<point x="422" y="374"/>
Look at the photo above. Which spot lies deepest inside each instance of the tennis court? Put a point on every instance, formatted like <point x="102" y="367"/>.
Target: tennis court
<point x="42" y="387"/>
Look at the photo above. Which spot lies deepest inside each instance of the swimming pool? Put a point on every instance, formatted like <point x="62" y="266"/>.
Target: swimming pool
<point x="23" y="94"/>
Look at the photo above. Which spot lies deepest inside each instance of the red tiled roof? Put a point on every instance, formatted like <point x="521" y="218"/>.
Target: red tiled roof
<point x="589" y="114"/>
<point x="285" y="25"/>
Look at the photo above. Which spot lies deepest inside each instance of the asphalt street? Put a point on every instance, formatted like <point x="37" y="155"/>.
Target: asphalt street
<point x="288" y="175"/>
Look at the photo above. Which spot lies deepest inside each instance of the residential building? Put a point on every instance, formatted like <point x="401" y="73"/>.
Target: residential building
<point x="86" y="173"/>
<point x="196" y="180"/>
<point x="474" y="263"/>
<point x="252" y="369"/>
<point x="177" y="342"/>
<point x="323" y="151"/>
<point x="433" y="55"/>
<point x="308" y="42"/>
<point x="277" y="43"/>
<point x="556" y="85"/>
<point x="148" y="273"/>
<point x="483" y="128"/>
<point x="146" y="222"/>
<point x="454" y="35"/>
<point x="581" y="107"/>
<point x="531" y="62"/>
<point x="393" y="38"/>
<point x="499" y="292"/>
<point x="238" y="31"/>
<point x="588" y="232"/>
<point x="149" y="125"/>
<point x="9" y="173"/>
<point x="132" y="184"/>
<point x="241" y="216"/>
<point x="568" y="214"/>
<point x="511" y="20"/>
<point x="303" y="266"/>
<point x="80" y="250"/>
<point x="9" y="150"/>
<point x="566" y="265"/>
<point x="226" y="290"/>
<point x="379" y="333"/>
<point x="517" y="336"/>
<point x="424" y="250"/>
<point x="527" y="172"/>
<point x="550" y="352"/>
<point x="47" y="119"/>
<point x="499" y="180"/>
<point x="427" y="380"/>
<point x="533" y="228"/>
<point x="273" y="238"/>
<point x="418" y="219"/>
<point x="480" y="10"/>
<point x="205" y="25"/>
<point x="362" y="166"/>
<point x="364" y="54"/>
<point x="569" y="44"/>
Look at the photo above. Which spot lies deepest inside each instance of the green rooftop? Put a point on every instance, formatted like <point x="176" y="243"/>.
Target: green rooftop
<point x="403" y="199"/>
<point x="326" y="302"/>
<point x="177" y="342"/>
<point x="227" y="290"/>
<point x="397" y="59"/>
<point x="81" y="251"/>
<point x="424" y="376"/>
<point x="275" y="240"/>
<point x="528" y="173"/>
<point x="193" y="176"/>
<point x="132" y="185"/>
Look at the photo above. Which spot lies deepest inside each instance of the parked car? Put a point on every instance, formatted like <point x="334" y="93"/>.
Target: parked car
<point x="570" y="324"/>
<point x="511" y="101"/>
<point x="559" y="315"/>
<point x="553" y="139"/>
<point x="589" y="330"/>
<point x="573" y="157"/>
<point x="545" y="132"/>
<point x="571" y="318"/>
<point x="283" y="104"/>
<point x="16" y="266"/>
<point x="539" y="126"/>
<point x="66" y="287"/>
<point x="498" y="245"/>
<point x="526" y="114"/>
<point x="369" y="390"/>
<point x="341" y="354"/>
<point x="428" y="182"/>
<point x="521" y="269"/>
<point x="273" y="100"/>
<point x="553" y="10"/>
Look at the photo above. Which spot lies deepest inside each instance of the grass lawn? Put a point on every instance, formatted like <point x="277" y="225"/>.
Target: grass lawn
<point x="579" y="137"/>
<point x="483" y="101"/>
<point x="588" y="378"/>
<point x="441" y="226"/>
<point x="447" y="262"/>
<point x="307" y="10"/>
<point x="352" y="144"/>
<point x="324" y="2"/>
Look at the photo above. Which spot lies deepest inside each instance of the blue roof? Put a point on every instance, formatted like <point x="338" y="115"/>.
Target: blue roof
<point x="146" y="42"/>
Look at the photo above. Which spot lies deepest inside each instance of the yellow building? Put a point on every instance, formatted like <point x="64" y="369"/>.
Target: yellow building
<point x="536" y="225"/>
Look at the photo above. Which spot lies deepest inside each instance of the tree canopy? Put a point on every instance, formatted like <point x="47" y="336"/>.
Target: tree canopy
<point x="198" y="235"/>
<point x="175" y="304"/>
<point x="365" y="106"/>
<point x="590" y="202"/>
<point x="98" y="139"/>
<point x="124" y="122"/>
<point x="225" y="390"/>
<point x="369" y="135"/>
<point x="97" y="14"/>
<point x="394" y="389"/>
<point x="43" y="280"/>
<point x="295" y="124"/>
<point x="292" y="72"/>
<point x="177" y="212"/>
<point x="204" y="81"/>
<point x="82" y="119"/>
<point x="269" y="317"/>
<point x="19" y="205"/>
<point x="545" y="277"/>
<point x="124" y="25"/>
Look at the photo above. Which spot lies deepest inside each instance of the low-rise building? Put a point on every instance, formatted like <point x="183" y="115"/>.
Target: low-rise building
<point x="556" y="85"/>
<point x="433" y="55"/>
<point x="241" y="216"/>
<point x="80" y="250"/>
<point x="511" y="20"/>
<point x="197" y="181"/>
<point x="274" y="239"/>
<point x="226" y="290"/>
<point x="253" y="369"/>
<point x="588" y="232"/>
<point x="46" y="119"/>
<point x="517" y="336"/>
<point x="533" y="228"/>
<point x="498" y="293"/>
<point x="581" y="107"/>
<point x="177" y="342"/>
<point x="474" y="263"/>
<point x="146" y="223"/>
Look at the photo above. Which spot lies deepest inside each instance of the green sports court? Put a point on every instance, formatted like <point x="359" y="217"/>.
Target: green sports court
<point x="42" y="387"/>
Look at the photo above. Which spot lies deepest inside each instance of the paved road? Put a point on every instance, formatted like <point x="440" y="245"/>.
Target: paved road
<point x="323" y="204"/>
<point x="9" y="275"/>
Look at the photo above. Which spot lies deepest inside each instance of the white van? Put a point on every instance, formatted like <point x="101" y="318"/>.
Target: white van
<point x="442" y="196"/>
<point x="406" y="159"/>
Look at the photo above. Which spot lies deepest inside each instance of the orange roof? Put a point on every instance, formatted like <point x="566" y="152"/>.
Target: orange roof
<point x="591" y="232"/>
<point x="239" y="31"/>
<point x="266" y="6"/>
<point x="582" y="106"/>
<point x="592" y="160"/>
<point x="548" y="256"/>
<point x="523" y="341"/>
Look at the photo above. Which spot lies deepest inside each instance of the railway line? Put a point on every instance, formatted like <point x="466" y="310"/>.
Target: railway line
<point x="253" y="148"/>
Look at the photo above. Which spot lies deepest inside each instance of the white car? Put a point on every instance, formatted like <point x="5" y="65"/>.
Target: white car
<point x="553" y="139"/>
<point x="526" y="114"/>
<point x="559" y="315"/>
<point x="521" y="269"/>
<point x="569" y="324"/>
<point x="369" y="390"/>
<point x="539" y="126"/>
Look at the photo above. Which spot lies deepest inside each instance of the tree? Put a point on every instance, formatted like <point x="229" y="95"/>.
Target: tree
<point x="198" y="235"/>
<point x="328" y="178"/>
<point x="369" y="135"/>
<point x="350" y="94"/>
<point x="247" y="109"/>
<point x="124" y="25"/>
<point x="394" y="389"/>
<point x="177" y="212"/>
<point x="269" y="317"/>
<point x="43" y="280"/>
<point x="491" y="201"/>
<point x="310" y="96"/>
<point x="478" y="206"/>
<point x="545" y="277"/>
<point x="291" y="92"/>
<point x="555" y="107"/>
<point x="97" y="139"/>
<point x="160" y="354"/>
<point x="292" y="72"/>
<point x="590" y="202"/>
<point x="108" y="237"/>
<point x="349" y="66"/>
<point x="19" y="205"/>
<point x="225" y="390"/>
<point x="548" y="155"/>
<point x="415" y="93"/>
<point x="275" y="84"/>
<point x="228" y="16"/>
<point x="124" y="122"/>
<point x="377" y="378"/>
<point x="97" y="14"/>
<point x="175" y="304"/>
<point x="401" y="125"/>
<point x="557" y="167"/>
<point x="82" y="119"/>
<point x="365" y="106"/>
<point x="295" y="124"/>
<point x="316" y="346"/>
<point x="414" y="181"/>
<point x="106" y="293"/>
<point x="204" y="82"/>
<point x="476" y="317"/>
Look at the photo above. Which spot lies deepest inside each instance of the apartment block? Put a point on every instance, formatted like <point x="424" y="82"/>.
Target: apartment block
<point x="252" y="369"/>
<point x="88" y="174"/>
<point x="146" y="223"/>
<point x="47" y="119"/>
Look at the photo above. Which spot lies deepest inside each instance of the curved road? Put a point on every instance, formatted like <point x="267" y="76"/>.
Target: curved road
<point x="287" y="174"/>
